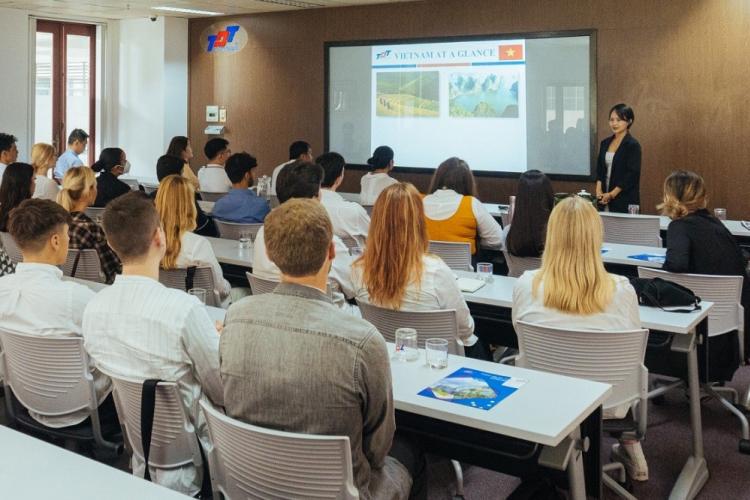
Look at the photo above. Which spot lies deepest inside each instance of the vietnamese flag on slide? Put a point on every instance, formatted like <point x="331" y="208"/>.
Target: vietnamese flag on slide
<point x="511" y="52"/>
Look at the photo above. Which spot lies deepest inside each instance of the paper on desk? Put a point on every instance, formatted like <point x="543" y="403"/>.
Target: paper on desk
<point x="470" y="285"/>
<point x="649" y="257"/>
<point x="473" y="388"/>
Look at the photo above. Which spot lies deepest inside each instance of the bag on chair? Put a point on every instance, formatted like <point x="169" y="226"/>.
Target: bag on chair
<point x="657" y="292"/>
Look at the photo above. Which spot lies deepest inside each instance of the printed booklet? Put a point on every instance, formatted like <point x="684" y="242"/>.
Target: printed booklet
<point x="473" y="388"/>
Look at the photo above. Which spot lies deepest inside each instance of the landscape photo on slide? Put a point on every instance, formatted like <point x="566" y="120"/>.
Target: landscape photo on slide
<point x="408" y="93"/>
<point x="483" y="95"/>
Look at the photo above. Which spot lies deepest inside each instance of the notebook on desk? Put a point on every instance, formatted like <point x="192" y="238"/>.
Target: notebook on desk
<point x="470" y="285"/>
<point x="473" y="388"/>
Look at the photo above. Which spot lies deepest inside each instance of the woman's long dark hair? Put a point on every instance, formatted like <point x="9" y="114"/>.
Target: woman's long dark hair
<point x="177" y="146"/>
<point x="108" y="159"/>
<point x="534" y="202"/>
<point x="15" y="188"/>
<point x="455" y="174"/>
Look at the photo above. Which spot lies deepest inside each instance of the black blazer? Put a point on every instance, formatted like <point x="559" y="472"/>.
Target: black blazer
<point x="626" y="172"/>
<point x="108" y="187"/>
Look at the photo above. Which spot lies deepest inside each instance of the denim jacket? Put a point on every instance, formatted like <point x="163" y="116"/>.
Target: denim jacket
<point x="292" y="361"/>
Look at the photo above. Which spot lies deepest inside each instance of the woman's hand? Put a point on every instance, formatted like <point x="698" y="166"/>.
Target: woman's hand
<point x="606" y="198"/>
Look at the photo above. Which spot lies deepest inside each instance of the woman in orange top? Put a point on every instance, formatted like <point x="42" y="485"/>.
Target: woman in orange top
<point x="452" y="211"/>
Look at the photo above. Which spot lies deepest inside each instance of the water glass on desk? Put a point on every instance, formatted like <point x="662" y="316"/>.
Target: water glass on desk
<point x="406" y="344"/>
<point x="634" y="209"/>
<point x="245" y="240"/>
<point x="436" y="352"/>
<point x="484" y="271"/>
<point x="200" y="293"/>
<point x="720" y="213"/>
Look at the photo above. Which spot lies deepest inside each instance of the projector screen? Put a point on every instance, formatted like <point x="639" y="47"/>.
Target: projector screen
<point x="505" y="105"/>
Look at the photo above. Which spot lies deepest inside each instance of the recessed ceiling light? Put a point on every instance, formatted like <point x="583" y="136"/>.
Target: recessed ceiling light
<point x="189" y="11"/>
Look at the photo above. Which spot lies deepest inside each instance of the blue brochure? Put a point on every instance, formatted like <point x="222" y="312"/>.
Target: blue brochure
<point x="605" y="250"/>
<point x="649" y="257"/>
<point x="473" y="388"/>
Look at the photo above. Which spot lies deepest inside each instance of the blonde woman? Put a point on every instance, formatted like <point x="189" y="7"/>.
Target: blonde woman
<point x="77" y="194"/>
<point x="175" y="202"/>
<point x="396" y="271"/>
<point x="44" y="159"/>
<point x="573" y="290"/>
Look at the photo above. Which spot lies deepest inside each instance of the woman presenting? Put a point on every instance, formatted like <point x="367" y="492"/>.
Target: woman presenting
<point x="618" y="168"/>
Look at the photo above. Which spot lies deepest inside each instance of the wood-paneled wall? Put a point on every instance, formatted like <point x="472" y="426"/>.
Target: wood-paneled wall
<point x="683" y="65"/>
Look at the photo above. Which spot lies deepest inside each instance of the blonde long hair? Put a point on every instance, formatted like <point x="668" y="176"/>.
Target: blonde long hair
<point x="76" y="184"/>
<point x="684" y="193"/>
<point x="572" y="271"/>
<point x="41" y="154"/>
<point x="175" y="202"/>
<point x="396" y="244"/>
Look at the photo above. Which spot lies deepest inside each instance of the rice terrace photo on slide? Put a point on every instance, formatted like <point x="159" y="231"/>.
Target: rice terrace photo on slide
<point x="409" y="93"/>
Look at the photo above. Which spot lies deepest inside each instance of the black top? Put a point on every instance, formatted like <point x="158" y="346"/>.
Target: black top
<point x="626" y="172"/>
<point x="109" y="187"/>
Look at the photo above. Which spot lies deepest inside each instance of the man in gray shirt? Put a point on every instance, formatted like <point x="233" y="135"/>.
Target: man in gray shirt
<point x="290" y="360"/>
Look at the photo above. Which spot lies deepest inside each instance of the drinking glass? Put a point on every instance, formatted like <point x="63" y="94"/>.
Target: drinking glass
<point x="200" y="293"/>
<point x="245" y="239"/>
<point x="720" y="213"/>
<point x="634" y="209"/>
<point x="484" y="270"/>
<point x="406" y="344"/>
<point x="436" y="351"/>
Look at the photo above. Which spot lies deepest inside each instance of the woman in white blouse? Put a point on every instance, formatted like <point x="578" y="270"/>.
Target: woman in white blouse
<point x="396" y="271"/>
<point x="453" y="211"/>
<point x="44" y="158"/>
<point x="573" y="290"/>
<point x="175" y="202"/>
<point x="373" y="183"/>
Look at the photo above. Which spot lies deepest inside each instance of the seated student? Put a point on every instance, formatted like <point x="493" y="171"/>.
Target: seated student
<point x="396" y="270"/>
<point x="344" y="389"/>
<point x="699" y="243"/>
<point x="180" y="147"/>
<point x="77" y="194"/>
<point x="175" y="203"/>
<point x="454" y="213"/>
<point x="372" y="183"/>
<point x="348" y="218"/>
<point x="40" y="229"/>
<point x="43" y="159"/>
<point x="302" y="180"/>
<point x="111" y="165"/>
<point x="298" y="151"/>
<point x="534" y="202"/>
<point x="77" y="142"/>
<point x="17" y="185"/>
<point x="241" y="204"/>
<point x="573" y="290"/>
<point x="139" y="329"/>
<point x="212" y="177"/>
<point x="8" y="151"/>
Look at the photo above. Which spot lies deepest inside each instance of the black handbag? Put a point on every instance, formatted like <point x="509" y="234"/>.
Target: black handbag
<point x="657" y="292"/>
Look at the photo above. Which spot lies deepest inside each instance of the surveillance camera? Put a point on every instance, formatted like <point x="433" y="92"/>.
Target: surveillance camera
<point x="153" y="19"/>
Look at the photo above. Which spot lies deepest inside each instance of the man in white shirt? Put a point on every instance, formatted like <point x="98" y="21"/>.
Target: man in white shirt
<point x="349" y="219"/>
<point x="35" y="300"/>
<point x="212" y="177"/>
<point x="139" y="329"/>
<point x="8" y="151"/>
<point x="298" y="150"/>
<point x="373" y="183"/>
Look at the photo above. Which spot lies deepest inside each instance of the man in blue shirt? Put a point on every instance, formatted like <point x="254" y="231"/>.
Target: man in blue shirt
<point x="77" y="142"/>
<point x="240" y="204"/>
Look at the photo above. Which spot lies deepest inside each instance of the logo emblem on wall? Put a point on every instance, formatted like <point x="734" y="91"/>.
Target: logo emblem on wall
<point x="223" y="38"/>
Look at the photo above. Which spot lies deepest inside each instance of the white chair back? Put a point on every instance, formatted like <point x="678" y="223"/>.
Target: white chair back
<point x="248" y="461"/>
<point x="725" y="292"/>
<point x="260" y="285"/>
<point x="428" y="324"/>
<point x="350" y="242"/>
<point x="9" y="244"/>
<point x="455" y="254"/>
<point x="232" y="230"/>
<point x="203" y="278"/>
<point x="95" y="214"/>
<point x="518" y="265"/>
<point x="208" y="196"/>
<point x="629" y="230"/>
<point x="88" y="268"/>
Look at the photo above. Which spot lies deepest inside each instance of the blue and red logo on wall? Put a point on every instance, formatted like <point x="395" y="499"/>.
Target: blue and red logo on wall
<point x="224" y="38"/>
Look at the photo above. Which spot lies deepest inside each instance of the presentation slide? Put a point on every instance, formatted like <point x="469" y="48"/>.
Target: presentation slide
<point x="504" y="106"/>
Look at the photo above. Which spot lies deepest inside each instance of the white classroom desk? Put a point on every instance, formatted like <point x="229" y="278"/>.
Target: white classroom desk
<point x="145" y="181"/>
<point x="31" y="468"/>
<point x="620" y="254"/>
<point x="229" y="252"/>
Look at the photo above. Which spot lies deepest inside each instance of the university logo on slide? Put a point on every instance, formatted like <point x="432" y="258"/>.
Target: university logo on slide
<point x="512" y="52"/>
<point x="383" y="55"/>
<point x="224" y="38"/>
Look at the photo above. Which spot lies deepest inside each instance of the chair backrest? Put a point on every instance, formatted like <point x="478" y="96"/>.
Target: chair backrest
<point x="9" y="244"/>
<point x="232" y="230"/>
<point x="518" y="265"/>
<point x="642" y="230"/>
<point x="612" y="357"/>
<point x="48" y="375"/>
<point x="208" y="196"/>
<point x="350" y="242"/>
<point x="95" y="213"/>
<point x="203" y="278"/>
<point x="428" y="324"/>
<point x="368" y="209"/>
<point x="505" y="218"/>
<point x="456" y="255"/>
<point x="725" y="292"/>
<point x="259" y="286"/>
<point x="248" y="461"/>
<point x="89" y="266"/>
<point x="173" y="439"/>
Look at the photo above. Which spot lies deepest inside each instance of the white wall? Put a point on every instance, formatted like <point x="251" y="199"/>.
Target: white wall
<point x="14" y="77"/>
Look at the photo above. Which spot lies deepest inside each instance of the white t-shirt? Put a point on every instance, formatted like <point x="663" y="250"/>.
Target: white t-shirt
<point x="46" y="188"/>
<point x="372" y="185"/>
<point x="213" y="179"/>
<point x="348" y="218"/>
<point x="275" y="175"/>
<point x="443" y="204"/>
<point x="197" y="251"/>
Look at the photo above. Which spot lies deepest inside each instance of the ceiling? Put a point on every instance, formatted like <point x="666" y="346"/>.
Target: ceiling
<point x="123" y="9"/>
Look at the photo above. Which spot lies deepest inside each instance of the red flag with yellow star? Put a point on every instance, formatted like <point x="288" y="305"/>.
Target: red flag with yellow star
<point x="510" y="52"/>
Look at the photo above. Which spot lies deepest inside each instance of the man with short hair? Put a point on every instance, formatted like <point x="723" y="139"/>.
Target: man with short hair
<point x="77" y="142"/>
<point x="349" y="219"/>
<point x="298" y="151"/>
<point x="212" y="177"/>
<point x="241" y="205"/>
<point x="292" y="361"/>
<point x="35" y="300"/>
<point x="139" y="329"/>
<point x="8" y="151"/>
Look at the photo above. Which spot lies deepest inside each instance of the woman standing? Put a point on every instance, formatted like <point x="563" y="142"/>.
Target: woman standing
<point x="618" y="168"/>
